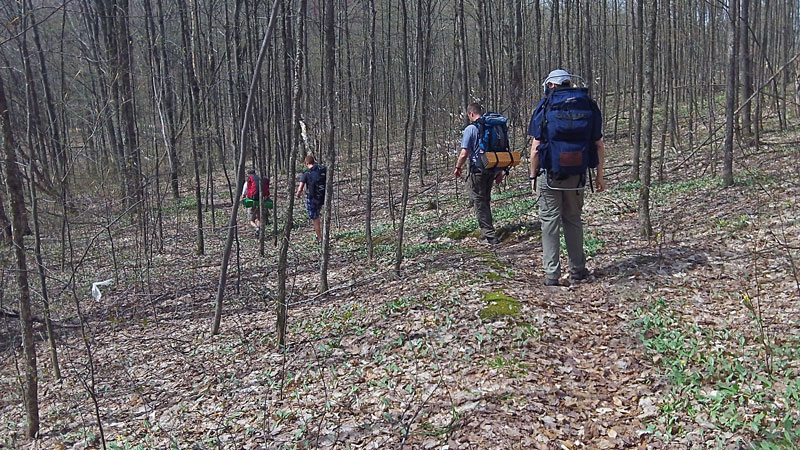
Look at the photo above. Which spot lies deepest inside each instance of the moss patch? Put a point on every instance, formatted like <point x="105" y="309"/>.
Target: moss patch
<point x="499" y="304"/>
<point x="462" y="232"/>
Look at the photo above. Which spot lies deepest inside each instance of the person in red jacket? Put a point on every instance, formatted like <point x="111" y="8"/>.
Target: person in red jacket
<point x="251" y="190"/>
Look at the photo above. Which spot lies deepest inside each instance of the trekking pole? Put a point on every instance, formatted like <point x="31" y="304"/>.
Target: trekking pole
<point x="455" y="185"/>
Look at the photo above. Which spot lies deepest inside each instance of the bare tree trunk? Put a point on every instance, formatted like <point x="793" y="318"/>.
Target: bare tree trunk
<point x="516" y="66"/>
<point x="639" y="88"/>
<point x="797" y="89"/>
<point x="194" y="122"/>
<point x="52" y="119"/>
<point x="645" y="229"/>
<point x="51" y="339"/>
<point x="166" y="101"/>
<point x="423" y="44"/>
<point x="19" y="225"/>
<point x="481" y="30"/>
<point x="587" y="48"/>
<point x="746" y="65"/>
<point x="462" y="54"/>
<point x="6" y="234"/>
<point x="411" y="122"/>
<point x="730" y="94"/>
<point x="226" y="254"/>
<point x="372" y="109"/>
<point x="294" y="142"/>
<point x="127" y="107"/>
<point x="330" y="96"/>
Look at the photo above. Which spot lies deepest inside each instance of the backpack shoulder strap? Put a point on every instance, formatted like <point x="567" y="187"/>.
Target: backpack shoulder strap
<point x="545" y="110"/>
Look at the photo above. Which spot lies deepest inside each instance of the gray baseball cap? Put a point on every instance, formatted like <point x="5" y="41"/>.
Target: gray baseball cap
<point x="557" y="76"/>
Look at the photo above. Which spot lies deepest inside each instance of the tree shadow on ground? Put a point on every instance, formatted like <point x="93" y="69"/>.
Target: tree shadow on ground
<point x="518" y="230"/>
<point x="665" y="262"/>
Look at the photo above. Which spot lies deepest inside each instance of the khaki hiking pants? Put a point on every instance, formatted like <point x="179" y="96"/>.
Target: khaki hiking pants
<point x="559" y="209"/>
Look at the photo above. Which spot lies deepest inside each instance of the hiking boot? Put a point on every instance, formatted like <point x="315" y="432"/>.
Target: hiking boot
<point x="552" y="282"/>
<point x="493" y="241"/>
<point x="583" y="275"/>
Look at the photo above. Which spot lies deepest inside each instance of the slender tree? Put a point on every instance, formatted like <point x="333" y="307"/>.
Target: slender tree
<point x="730" y="92"/>
<point x="330" y="96"/>
<point x="294" y="142"/>
<point x="746" y="66"/>
<point x="226" y="255"/>
<point x="371" y="112"/>
<point x="645" y="229"/>
<point x="638" y="90"/>
<point x="411" y="125"/>
<point x="19" y="225"/>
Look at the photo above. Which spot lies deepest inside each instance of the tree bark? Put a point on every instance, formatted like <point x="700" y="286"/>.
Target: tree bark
<point x="371" y="139"/>
<point x="294" y="142"/>
<point x="19" y="226"/>
<point x="51" y="339"/>
<point x="730" y="93"/>
<point x="639" y="89"/>
<point x="645" y="229"/>
<point x="330" y="96"/>
<point x="462" y="54"/>
<point x="746" y="65"/>
<point x="411" y="123"/>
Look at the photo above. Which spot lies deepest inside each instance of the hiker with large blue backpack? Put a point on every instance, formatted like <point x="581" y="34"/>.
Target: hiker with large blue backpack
<point x="566" y="128"/>
<point x="484" y="143"/>
<point x="313" y="181"/>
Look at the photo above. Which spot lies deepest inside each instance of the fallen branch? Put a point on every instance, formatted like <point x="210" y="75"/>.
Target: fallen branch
<point x="11" y="314"/>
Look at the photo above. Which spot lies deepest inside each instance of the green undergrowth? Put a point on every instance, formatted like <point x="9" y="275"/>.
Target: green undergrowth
<point x="518" y="208"/>
<point x="457" y="229"/>
<point x="381" y="235"/>
<point x="509" y="217"/>
<point x="181" y="204"/>
<point x="387" y="252"/>
<point x="511" y="366"/>
<point x="592" y="243"/>
<point x="721" y="378"/>
<point x="668" y="190"/>
<point x="732" y="224"/>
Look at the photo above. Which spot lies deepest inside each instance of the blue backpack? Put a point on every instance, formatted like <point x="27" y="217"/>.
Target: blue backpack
<point x="492" y="138"/>
<point x="567" y="145"/>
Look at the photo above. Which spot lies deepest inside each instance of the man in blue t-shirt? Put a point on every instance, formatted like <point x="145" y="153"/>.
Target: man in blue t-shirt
<point x="560" y="202"/>
<point x="314" y="200"/>
<point x="479" y="183"/>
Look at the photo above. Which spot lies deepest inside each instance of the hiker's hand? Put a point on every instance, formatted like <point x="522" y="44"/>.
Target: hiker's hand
<point x="533" y="187"/>
<point x="457" y="172"/>
<point x="499" y="178"/>
<point x="600" y="184"/>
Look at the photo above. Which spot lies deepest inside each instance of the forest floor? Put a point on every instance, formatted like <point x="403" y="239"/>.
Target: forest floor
<point x="689" y="339"/>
